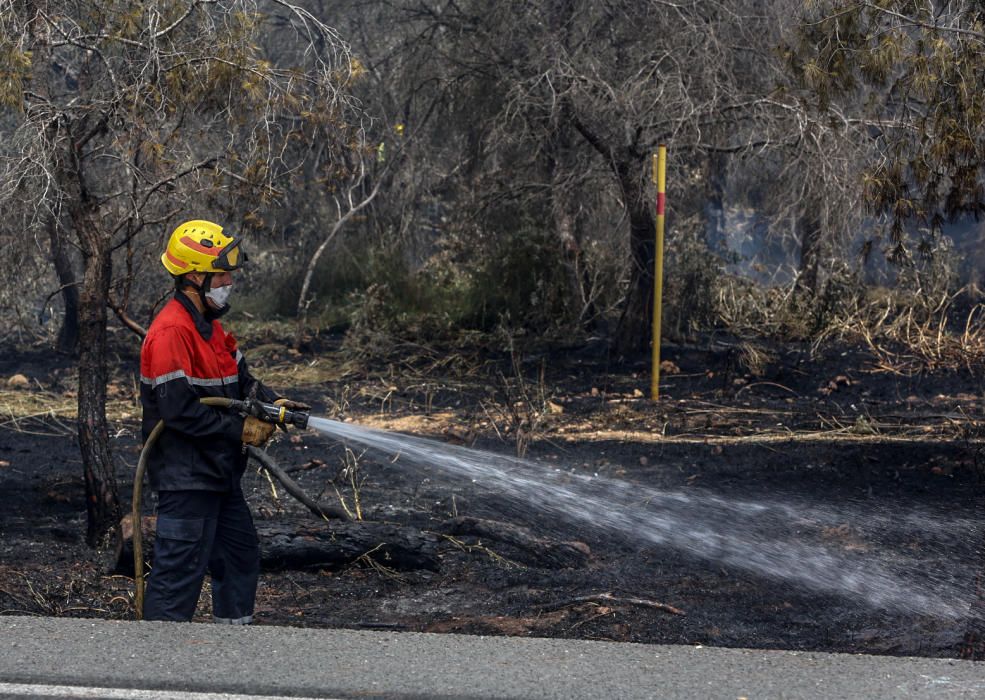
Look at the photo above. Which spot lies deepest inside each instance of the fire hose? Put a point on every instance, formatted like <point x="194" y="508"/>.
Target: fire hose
<point x="267" y="412"/>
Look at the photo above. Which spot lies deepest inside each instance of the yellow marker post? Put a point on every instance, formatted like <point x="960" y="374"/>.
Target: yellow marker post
<point x="660" y="179"/>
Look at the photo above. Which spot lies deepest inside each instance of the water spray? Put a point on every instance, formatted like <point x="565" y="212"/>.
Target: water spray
<point x="762" y="537"/>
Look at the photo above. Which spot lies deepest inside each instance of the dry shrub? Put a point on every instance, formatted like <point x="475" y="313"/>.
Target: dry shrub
<point x="526" y="403"/>
<point x="373" y="320"/>
<point x="754" y="358"/>
<point x="692" y="274"/>
<point x="382" y="331"/>
<point x="920" y="324"/>
<point x="909" y="336"/>
<point x="748" y="309"/>
<point x="787" y="312"/>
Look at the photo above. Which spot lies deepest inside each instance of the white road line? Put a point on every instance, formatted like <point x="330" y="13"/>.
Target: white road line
<point x="85" y="692"/>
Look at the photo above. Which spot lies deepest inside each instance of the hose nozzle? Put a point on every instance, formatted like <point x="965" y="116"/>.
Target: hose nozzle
<point x="267" y="412"/>
<point x="283" y="416"/>
<point x="278" y="415"/>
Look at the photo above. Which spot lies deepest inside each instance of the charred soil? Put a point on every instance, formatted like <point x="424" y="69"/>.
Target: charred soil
<point x="831" y="432"/>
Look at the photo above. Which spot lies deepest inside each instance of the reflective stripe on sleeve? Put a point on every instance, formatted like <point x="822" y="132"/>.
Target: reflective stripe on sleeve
<point x="197" y="381"/>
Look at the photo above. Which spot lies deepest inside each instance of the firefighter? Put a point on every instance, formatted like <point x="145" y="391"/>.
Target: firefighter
<point x="203" y="522"/>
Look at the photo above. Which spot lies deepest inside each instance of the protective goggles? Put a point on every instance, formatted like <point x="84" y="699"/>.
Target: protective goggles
<point x="231" y="257"/>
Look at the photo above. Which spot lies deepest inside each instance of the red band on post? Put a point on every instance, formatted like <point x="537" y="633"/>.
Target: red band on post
<point x="661" y="201"/>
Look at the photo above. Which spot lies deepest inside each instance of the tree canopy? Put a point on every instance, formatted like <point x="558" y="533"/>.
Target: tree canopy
<point x="915" y="70"/>
<point x="127" y="117"/>
<point x="484" y="161"/>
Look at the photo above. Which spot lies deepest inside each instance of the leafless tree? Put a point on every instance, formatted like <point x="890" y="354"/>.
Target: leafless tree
<point x="555" y="107"/>
<point x="349" y="203"/>
<point x="915" y="71"/>
<point x="125" y="115"/>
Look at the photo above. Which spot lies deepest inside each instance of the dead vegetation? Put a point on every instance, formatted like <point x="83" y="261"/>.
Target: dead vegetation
<point x="427" y="556"/>
<point x="732" y="405"/>
<point x="904" y="332"/>
<point x="524" y="403"/>
<point x="909" y="339"/>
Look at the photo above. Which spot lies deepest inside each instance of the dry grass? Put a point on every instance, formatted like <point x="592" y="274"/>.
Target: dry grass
<point x="850" y="434"/>
<point x="906" y="332"/>
<point x="78" y="588"/>
<point x="907" y="337"/>
<point x="751" y="310"/>
<point x="46" y="413"/>
<point x="755" y="358"/>
<point x="298" y="371"/>
<point x="525" y="404"/>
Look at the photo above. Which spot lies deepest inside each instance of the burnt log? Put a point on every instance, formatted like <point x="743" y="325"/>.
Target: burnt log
<point x="325" y="545"/>
<point x="326" y="511"/>
<point x="528" y="548"/>
<point x="337" y="544"/>
<point x="118" y="559"/>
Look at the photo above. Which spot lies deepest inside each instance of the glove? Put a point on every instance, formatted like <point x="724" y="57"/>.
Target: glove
<point x="292" y="405"/>
<point x="256" y="432"/>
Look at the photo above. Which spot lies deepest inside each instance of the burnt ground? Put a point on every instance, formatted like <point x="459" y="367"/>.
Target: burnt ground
<point x="895" y="461"/>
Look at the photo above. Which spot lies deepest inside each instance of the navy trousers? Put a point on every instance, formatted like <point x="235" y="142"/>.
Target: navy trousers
<point x="201" y="532"/>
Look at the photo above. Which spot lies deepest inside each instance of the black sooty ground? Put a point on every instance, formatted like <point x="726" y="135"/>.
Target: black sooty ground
<point x="817" y="505"/>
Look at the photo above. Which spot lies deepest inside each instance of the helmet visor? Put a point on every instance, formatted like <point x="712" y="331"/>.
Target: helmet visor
<point x="231" y="257"/>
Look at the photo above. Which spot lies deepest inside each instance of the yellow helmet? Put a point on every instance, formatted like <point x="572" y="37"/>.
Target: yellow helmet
<point x="201" y="246"/>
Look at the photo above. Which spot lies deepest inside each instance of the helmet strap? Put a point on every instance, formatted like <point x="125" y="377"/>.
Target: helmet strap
<point x="201" y="289"/>
<point x="208" y="311"/>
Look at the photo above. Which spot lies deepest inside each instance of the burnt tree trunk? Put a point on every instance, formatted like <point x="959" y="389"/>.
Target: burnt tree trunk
<point x="811" y="233"/>
<point x="528" y="548"/>
<point x="292" y="544"/>
<point x="68" y="334"/>
<point x="635" y="325"/>
<point x="563" y="205"/>
<point x="102" y="502"/>
<point x="633" y="335"/>
<point x="335" y="544"/>
<point x="628" y="158"/>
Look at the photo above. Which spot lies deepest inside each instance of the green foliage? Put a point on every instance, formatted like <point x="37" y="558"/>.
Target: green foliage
<point x="15" y="68"/>
<point x="917" y="74"/>
<point x="357" y="282"/>
<point x="692" y="275"/>
<point x="375" y="292"/>
<point x="520" y="278"/>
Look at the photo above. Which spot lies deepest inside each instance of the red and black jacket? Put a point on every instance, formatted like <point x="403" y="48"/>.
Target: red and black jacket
<point x="184" y="358"/>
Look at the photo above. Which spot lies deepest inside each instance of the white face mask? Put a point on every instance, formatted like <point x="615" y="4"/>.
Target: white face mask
<point x="219" y="296"/>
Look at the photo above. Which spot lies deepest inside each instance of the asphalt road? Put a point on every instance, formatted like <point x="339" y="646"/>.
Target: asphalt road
<point x="71" y="658"/>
